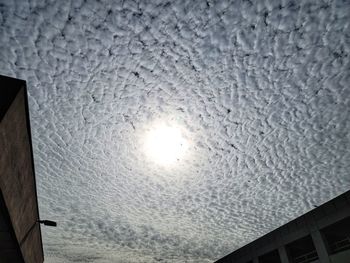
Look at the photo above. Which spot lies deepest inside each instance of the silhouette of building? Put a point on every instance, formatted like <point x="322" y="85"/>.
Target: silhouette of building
<point x="321" y="235"/>
<point x="20" y="234"/>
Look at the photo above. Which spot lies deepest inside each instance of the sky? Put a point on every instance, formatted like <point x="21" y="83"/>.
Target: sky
<point x="258" y="91"/>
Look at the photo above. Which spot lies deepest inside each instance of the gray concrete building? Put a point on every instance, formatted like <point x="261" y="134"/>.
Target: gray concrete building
<point x="319" y="236"/>
<point x="20" y="234"/>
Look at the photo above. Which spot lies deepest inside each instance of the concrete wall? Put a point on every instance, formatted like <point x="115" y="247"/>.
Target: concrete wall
<point x="309" y="224"/>
<point x="9" y="248"/>
<point x="17" y="181"/>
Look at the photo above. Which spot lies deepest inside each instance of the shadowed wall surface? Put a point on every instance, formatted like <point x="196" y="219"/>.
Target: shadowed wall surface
<point x="9" y="248"/>
<point x="17" y="182"/>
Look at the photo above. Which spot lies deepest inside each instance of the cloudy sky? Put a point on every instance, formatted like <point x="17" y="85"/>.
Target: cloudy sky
<point x="257" y="90"/>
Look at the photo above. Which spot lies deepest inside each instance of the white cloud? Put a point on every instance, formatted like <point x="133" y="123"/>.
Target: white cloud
<point x="261" y="90"/>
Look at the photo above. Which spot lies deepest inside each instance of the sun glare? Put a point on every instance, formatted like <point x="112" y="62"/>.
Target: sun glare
<point x="165" y="145"/>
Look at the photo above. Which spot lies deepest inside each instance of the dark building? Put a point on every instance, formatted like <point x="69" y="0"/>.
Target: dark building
<point x="20" y="234"/>
<point x="321" y="235"/>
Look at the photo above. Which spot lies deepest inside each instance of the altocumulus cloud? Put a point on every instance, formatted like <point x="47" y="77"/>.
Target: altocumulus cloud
<point x="261" y="89"/>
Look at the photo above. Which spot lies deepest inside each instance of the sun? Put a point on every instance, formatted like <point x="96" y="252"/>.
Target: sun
<point x="165" y="144"/>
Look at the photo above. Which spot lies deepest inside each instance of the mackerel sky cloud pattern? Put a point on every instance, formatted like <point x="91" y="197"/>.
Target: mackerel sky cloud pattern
<point x="260" y="90"/>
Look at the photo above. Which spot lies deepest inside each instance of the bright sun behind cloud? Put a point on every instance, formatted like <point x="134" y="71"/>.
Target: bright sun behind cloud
<point x="165" y="145"/>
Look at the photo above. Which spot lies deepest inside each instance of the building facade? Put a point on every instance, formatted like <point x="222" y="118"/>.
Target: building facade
<point x="319" y="236"/>
<point x="20" y="234"/>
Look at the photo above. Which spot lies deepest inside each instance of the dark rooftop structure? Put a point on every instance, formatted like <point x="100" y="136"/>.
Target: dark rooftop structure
<point x="20" y="234"/>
